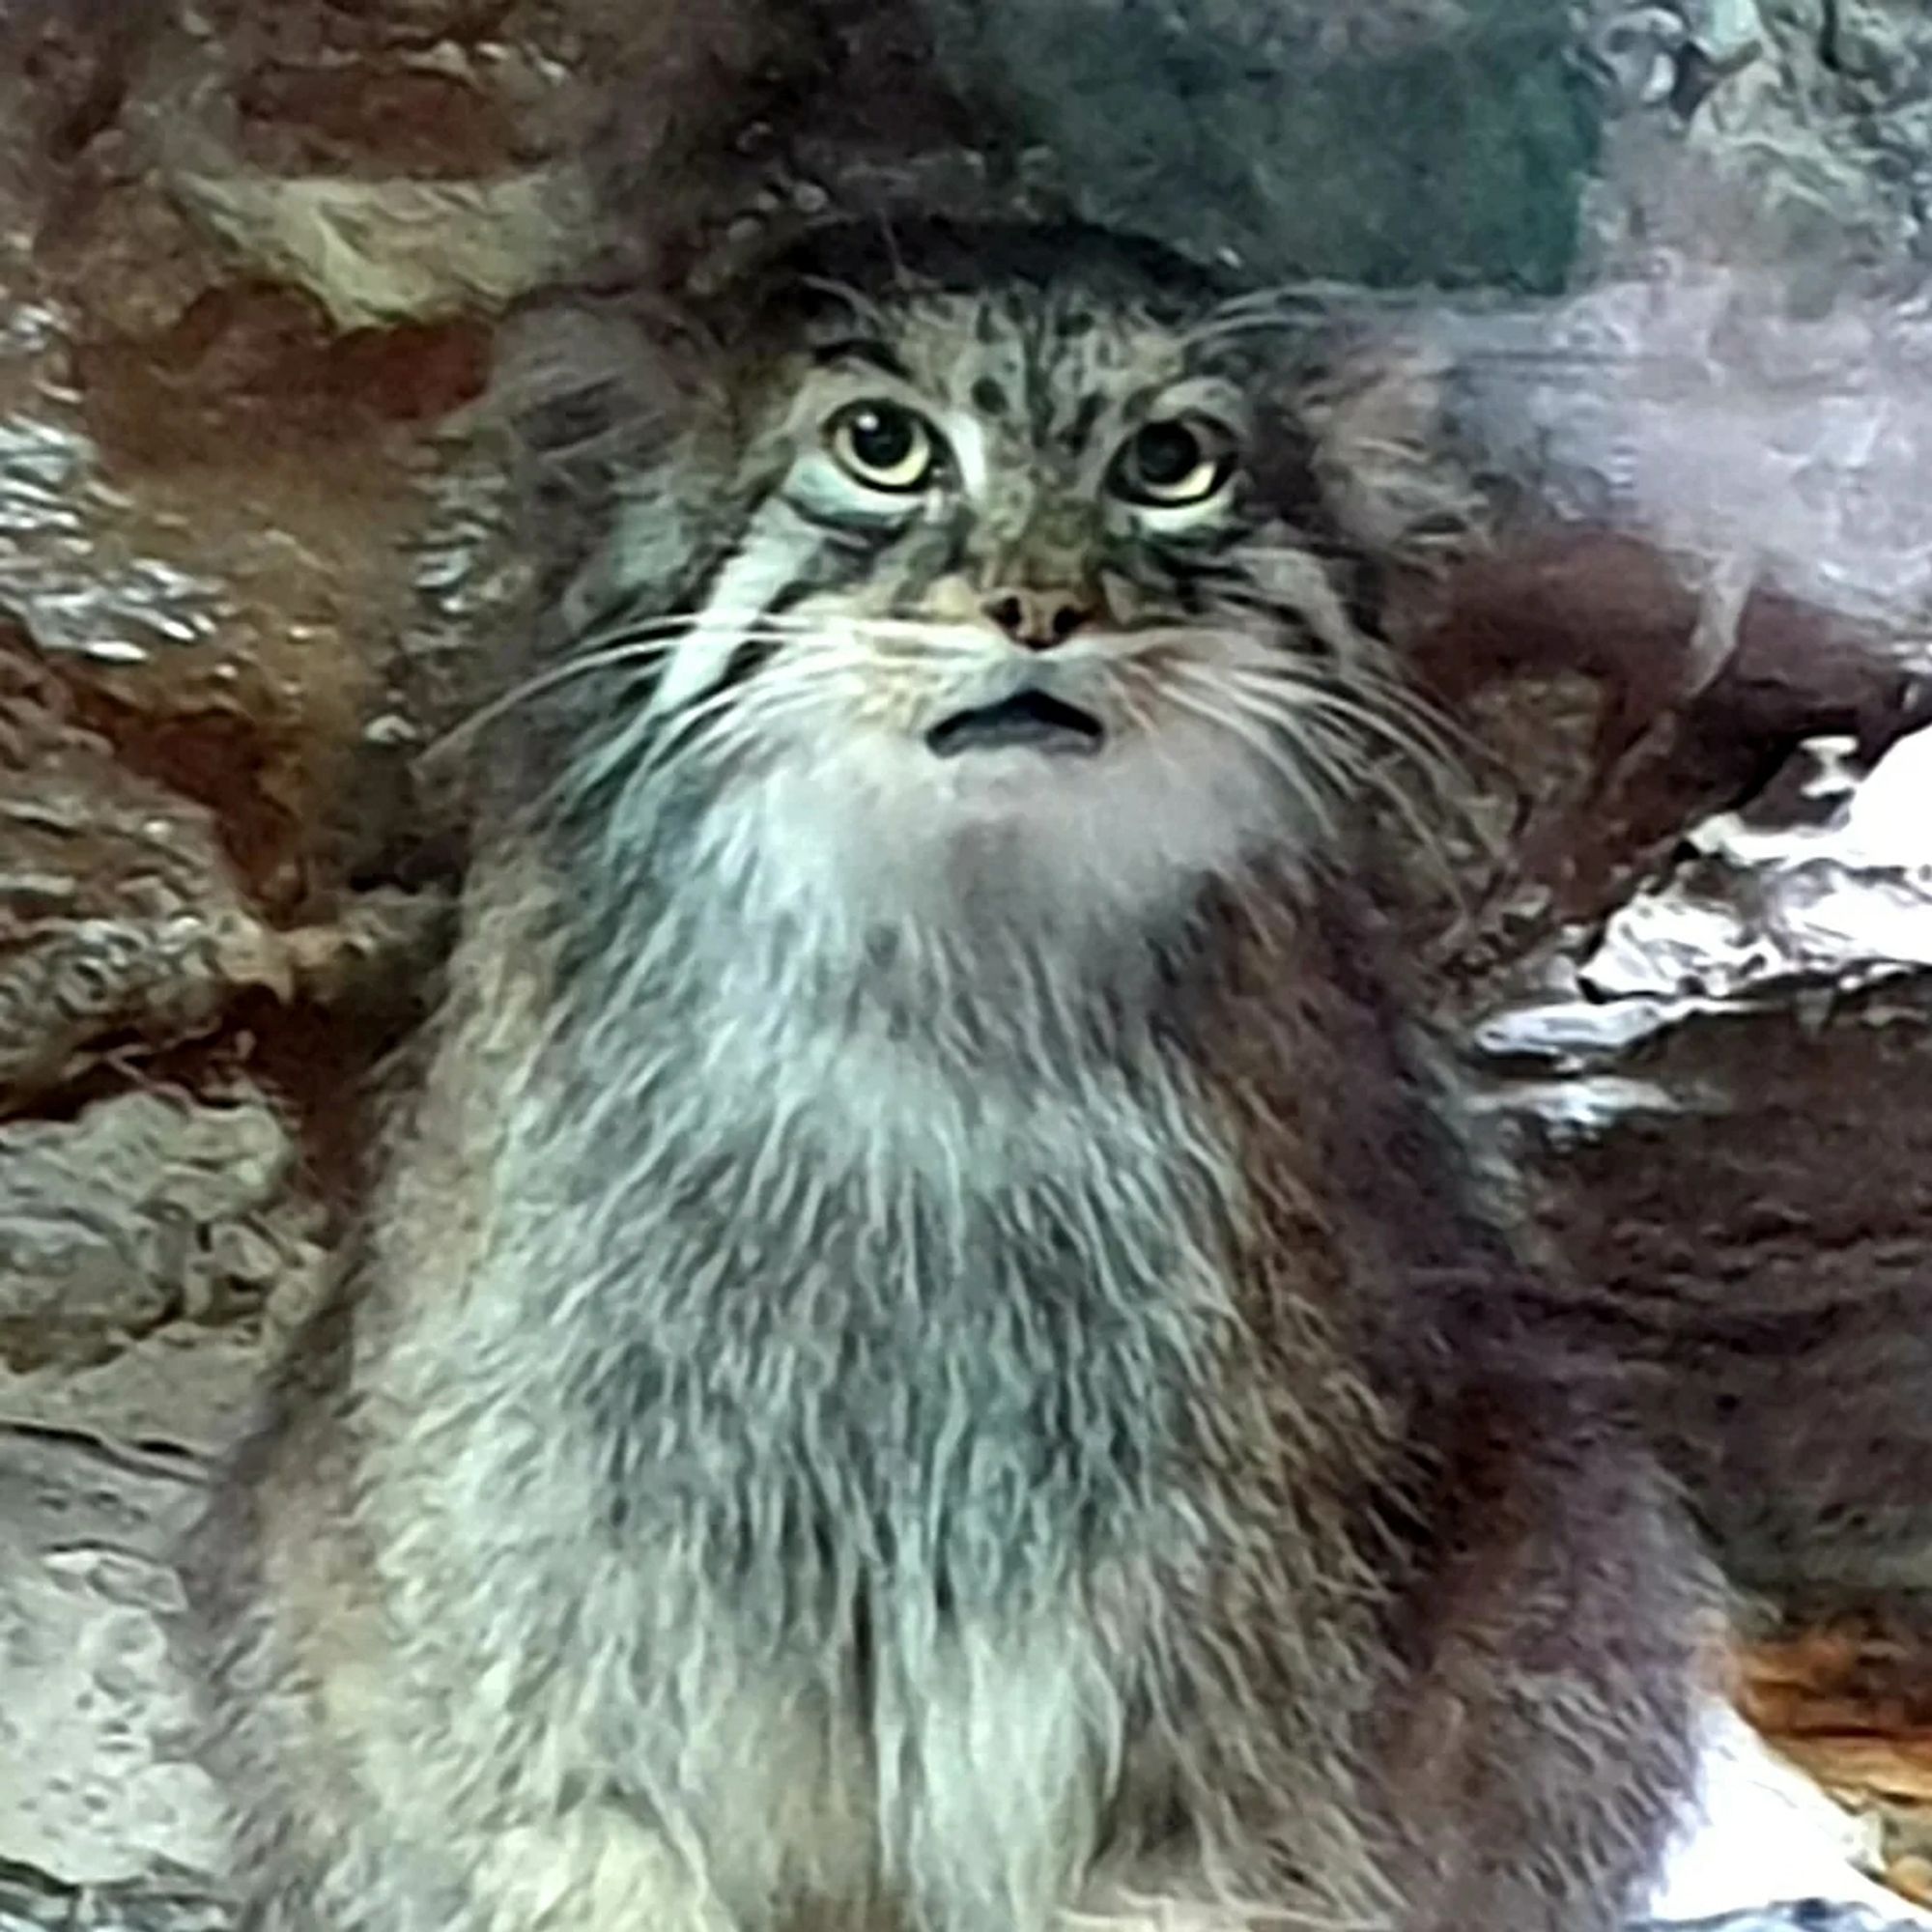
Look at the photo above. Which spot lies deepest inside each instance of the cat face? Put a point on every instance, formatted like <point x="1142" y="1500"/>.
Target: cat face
<point x="1022" y="587"/>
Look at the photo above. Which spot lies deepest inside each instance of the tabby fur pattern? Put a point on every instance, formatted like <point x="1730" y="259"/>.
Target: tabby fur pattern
<point x="913" y="1363"/>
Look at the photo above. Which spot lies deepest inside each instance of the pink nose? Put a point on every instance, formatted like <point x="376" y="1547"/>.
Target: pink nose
<point x="1038" y="619"/>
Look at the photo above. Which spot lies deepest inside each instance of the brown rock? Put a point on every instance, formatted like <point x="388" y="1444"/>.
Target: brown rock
<point x="369" y="118"/>
<point x="121" y="923"/>
<point x="1678" y="731"/>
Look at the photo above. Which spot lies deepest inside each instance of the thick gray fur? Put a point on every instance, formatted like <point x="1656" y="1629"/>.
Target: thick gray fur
<point x="923" y="1359"/>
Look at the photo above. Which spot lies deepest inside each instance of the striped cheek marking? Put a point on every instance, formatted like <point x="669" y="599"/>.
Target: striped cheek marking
<point x="752" y="581"/>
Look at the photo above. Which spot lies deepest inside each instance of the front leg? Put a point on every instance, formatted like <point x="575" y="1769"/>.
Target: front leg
<point x="1542" y="1749"/>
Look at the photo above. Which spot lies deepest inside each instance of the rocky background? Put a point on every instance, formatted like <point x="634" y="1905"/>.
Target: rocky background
<point x="257" y="259"/>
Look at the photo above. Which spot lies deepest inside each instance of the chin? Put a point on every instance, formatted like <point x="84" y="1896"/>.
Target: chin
<point x="1039" y="839"/>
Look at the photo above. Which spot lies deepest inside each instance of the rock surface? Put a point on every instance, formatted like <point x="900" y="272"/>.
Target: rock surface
<point x="93" y="1788"/>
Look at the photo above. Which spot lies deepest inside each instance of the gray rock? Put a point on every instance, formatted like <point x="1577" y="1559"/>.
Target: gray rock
<point x="1790" y="131"/>
<point x="152" y="1252"/>
<point x="32" y="1902"/>
<point x="94" y="1785"/>
<point x="144" y="1205"/>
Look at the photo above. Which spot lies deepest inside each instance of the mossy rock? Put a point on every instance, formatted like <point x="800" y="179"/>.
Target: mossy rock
<point x="1451" y="151"/>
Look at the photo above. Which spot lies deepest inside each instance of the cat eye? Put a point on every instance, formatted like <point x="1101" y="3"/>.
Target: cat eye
<point x="1172" y="463"/>
<point x="884" y="445"/>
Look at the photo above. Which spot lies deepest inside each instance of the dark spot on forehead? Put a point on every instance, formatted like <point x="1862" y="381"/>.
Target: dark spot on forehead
<point x="1076" y="324"/>
<point x="1080" y="427"/>
<point x="988" y="397"/>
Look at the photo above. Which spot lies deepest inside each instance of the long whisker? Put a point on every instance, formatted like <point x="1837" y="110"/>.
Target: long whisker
<point x="739" y="726"/>
<point x="1296" y="726"/>
<point x="736" y="710"/>
<point x="1427" y="841"/>
<point x="1375" y="704"/>
<point x="1306" y="301"/>
<point x="1292" y="704"/>
<point x="1326" y="305"/>
<point x="1316" y="734"/>
<point x="465" y="729"/>
<point x="727" y="730"/>
<point x="638" y="642"/>
<point x="687" y="731"/>
<point x="1199" y="698"/>
<point x="1413" y="729"/>
<point x="643" y="745"/>
<point x="654" y="741"/>
<point x="615" y="640"/>
<point x="1453" y="740"/>
<point x="1411" y="737"/>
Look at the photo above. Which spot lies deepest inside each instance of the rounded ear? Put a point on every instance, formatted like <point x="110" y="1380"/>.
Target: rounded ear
<point x="593" y="392"/>
<point x="1379" y="408"/>
<point x="586" y="378"/>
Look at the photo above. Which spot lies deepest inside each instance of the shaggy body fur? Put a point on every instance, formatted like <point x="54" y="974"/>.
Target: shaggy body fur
<point x="902" y="1372"/>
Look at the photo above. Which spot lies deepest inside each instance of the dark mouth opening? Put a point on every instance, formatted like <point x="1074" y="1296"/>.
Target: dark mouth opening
<point x="1034" y="718"/>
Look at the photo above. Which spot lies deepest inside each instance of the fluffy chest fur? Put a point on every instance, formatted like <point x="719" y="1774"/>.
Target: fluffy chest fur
<point x="922" y="1290"/>
<point x="854" y="1382"/>
<point x="866" y="1203"/>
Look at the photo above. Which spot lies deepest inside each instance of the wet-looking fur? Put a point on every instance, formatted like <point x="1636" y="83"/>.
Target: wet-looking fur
<point x="913" y="1363"/>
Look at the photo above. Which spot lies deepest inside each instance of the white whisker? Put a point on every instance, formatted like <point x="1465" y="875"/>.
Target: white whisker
<point x="1322" y="740"/>
<point x="642" y="641"/>
<point x="1198" y="698"/>
<point x="600" y="649"/>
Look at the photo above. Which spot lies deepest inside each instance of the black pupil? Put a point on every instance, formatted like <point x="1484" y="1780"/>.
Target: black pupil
<point x="1167" y="454"/>
<point x="881" y="439"/>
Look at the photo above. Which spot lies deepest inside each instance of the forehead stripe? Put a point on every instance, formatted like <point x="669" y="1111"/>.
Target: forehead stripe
<point x="1080" y="430"/>
<point x="863" y="349"/>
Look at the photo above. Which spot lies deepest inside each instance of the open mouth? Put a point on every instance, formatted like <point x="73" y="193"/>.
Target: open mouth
<point x="1034" y="718"/>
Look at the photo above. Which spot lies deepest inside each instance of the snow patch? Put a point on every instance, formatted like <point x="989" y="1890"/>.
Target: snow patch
<point x="1762" y="1834"/>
